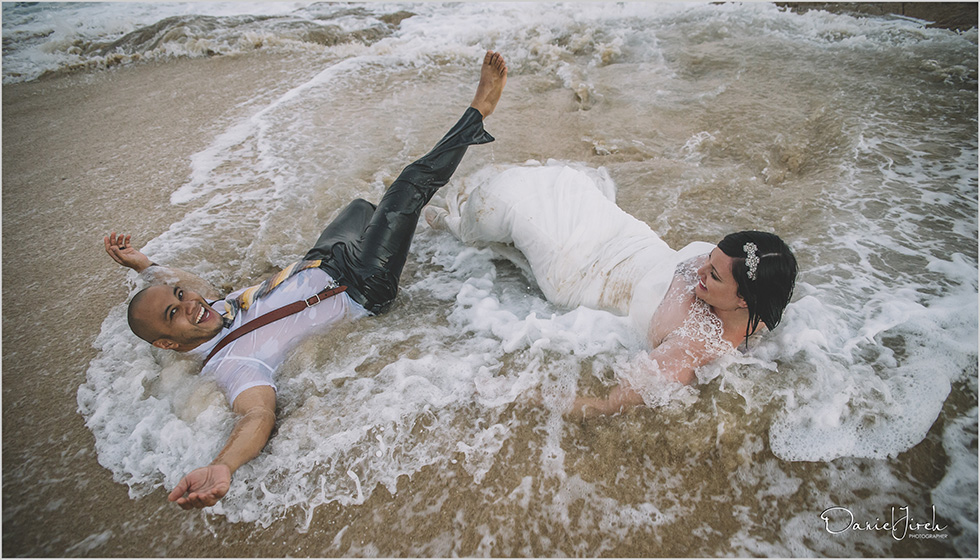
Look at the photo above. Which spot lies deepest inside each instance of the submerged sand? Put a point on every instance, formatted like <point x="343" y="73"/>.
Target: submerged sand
<point x="87" y="154"/>
<point x="90" y="153"/>
<point x="84" y="155"/>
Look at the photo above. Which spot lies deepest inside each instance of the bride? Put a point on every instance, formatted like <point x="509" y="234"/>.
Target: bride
<point x="562" y="225"/>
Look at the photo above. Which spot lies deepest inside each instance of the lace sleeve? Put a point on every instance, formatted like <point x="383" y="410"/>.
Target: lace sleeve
<point x="697" y="342"/>
<point x="702" y="330"/>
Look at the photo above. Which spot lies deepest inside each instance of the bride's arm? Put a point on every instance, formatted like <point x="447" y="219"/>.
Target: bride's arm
<point x="619" y="400"/>
<point x="676" y="359"/>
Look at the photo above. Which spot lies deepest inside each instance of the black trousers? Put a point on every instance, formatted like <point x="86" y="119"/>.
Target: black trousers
<point x="366" y="246"/>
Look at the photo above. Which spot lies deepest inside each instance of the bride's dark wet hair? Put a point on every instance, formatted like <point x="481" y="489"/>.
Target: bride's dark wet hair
<point x="775" y="275"/>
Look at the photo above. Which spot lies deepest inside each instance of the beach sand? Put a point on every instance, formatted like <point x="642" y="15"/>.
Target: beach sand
<point x="89" y="153"/>
<point x="84" y="155"/>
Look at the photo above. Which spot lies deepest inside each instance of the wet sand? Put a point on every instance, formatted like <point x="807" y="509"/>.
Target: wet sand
<point x="84" y="155"/>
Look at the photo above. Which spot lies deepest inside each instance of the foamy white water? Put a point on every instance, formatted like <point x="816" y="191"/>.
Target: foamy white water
<point x="854" y="139"/>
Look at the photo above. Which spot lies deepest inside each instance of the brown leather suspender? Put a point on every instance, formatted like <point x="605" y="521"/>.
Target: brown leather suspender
<point x="275" y="315"/>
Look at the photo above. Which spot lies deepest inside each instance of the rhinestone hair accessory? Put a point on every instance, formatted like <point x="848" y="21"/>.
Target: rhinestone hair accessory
<point x="751" y="258"/>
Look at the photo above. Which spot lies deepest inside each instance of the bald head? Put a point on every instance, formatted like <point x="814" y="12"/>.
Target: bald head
<point x="173" y="318"/>
<point x="135" y="314"/>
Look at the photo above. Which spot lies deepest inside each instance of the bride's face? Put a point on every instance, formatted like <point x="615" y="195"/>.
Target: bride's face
<point x="716" y="285"/>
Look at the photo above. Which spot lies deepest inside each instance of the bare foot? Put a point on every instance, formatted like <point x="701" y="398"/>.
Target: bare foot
<point x="493" y="76"/>
<point x="435" y="217"/>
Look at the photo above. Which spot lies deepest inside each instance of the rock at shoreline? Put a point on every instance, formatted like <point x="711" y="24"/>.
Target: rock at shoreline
<point x="959" y="16"/>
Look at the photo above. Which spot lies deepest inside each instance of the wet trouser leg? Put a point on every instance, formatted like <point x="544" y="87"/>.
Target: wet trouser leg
<point x="347" y="227"/>
<point x="370" y="264"/>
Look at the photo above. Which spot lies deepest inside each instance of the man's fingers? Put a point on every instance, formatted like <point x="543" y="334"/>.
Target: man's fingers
<point x="185" y="502"/>
<point x="113" y="251"/>
<point x="206" y="500"/>
<point x="196" y="500"/>
<point x="117" y="246"/>
<point x="118" y="242"/>
<point x="110" y="244"/>
<point x="179" y="490"/>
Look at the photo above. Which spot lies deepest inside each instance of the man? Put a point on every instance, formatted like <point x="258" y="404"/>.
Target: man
<point x="363" y="250"/>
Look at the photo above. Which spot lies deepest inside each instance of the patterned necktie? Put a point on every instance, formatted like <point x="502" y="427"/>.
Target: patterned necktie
<point x="250" y="295"/>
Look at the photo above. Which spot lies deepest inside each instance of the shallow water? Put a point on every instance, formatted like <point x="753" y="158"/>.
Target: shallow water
<point x="414" y="433"/>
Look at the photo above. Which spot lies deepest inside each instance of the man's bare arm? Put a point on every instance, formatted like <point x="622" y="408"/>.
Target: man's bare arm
<point x="203" y="487"/>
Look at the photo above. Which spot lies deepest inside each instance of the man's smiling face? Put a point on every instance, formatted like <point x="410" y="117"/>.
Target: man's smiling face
<point x="173" y="318"/>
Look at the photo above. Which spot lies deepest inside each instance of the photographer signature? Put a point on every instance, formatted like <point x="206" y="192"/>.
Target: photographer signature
<point x="839" y="520"/>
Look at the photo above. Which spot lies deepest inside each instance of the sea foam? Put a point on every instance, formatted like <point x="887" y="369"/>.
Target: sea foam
<point x="883" y="326"/>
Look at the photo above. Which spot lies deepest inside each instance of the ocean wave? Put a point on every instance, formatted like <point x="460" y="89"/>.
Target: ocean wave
<point x="710" y="118"/>
<point x="55" y="39"/>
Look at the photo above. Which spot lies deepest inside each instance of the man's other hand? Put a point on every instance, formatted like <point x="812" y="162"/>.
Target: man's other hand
<point x="202" y="487"/>
<point x="121" y="251"/>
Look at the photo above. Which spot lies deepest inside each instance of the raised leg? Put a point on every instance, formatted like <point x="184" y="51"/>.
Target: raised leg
<point x="370" y="266"/>
<point x="347" y="227"/>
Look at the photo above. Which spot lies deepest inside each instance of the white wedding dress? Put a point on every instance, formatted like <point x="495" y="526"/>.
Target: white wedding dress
<point x="582" y="249"/>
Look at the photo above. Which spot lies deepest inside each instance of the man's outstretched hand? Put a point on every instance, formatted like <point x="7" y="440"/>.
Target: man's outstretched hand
<point x="121" y="251"/>
<point x="202" y="487"/>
